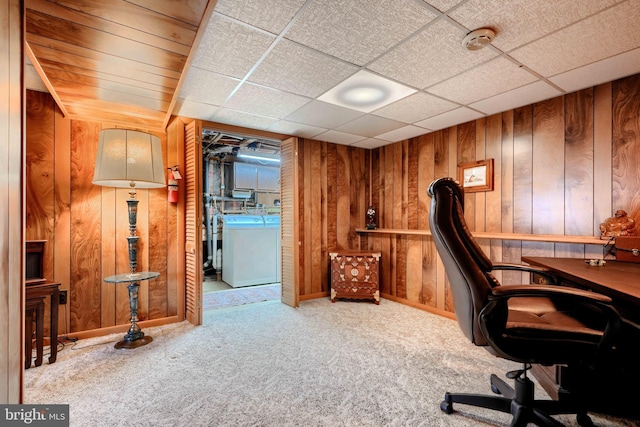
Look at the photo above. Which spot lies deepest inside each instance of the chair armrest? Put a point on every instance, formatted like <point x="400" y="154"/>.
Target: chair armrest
<point x="510" y="291"/>
<point x="544" y="272"/>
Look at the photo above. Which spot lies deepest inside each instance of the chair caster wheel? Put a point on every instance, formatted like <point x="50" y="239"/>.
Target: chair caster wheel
<point x="584" y="420"/>
<point x="446" y="407"/>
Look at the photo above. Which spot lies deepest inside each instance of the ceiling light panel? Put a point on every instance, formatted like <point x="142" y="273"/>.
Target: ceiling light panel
<point x="431" y="56"/>
<point x="270" y="15"/>
<point x="298" y="69"/>
<point x="230" y="48"/>
<point x="366" y="92"/>
<point x="358" y="31"/>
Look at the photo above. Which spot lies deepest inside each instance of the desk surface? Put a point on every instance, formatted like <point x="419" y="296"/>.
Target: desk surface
<point x="617" y="279"/>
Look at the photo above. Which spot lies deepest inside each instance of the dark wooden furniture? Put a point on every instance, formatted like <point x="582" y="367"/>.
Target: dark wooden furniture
<point x="354" y="275"/>
<point x="616" y="279"/>
<point x="34" y="262"/>
<point x="34" y="311"/>
<point x="35" y="295"/>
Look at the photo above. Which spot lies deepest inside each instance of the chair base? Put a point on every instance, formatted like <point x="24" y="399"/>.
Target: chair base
<point x="519" y="402"/>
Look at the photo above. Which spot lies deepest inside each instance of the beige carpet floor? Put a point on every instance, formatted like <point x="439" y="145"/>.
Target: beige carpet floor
<point x="267" y="364"/>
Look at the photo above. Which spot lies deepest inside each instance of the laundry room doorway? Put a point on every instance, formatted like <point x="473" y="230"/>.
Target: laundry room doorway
<point x="241" y="231"/>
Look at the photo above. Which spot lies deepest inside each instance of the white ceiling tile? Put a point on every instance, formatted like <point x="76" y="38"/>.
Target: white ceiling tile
<point x="450" y="118"/>
<point x="525" y="95"/>
<point x="496" y="76"/>
<point x="264" y="101"/>
<point x="416" y="107"/>
<point x="443" y="5"/>
<point x="230" y="48"/>
<point x="207" y="86"/>
<point x="195" y="110"/>
<point x="517" y="22"/>
<point x="369" y="143"/>
<point x="599" y="72"/>
<point x="270" y="15"/>
<point x="239" y="118"/>
<point x="338" y="137"/>
<point x="370" y="125"/>
<point x="297" y="129"/>
<point x="402" y="133"/>
<point x="357" y="30"/>
<point x="298" y="69"/>
<point x="611" y="32"/>
<point x="321" y="114"/>
<point x="433" y="55"/>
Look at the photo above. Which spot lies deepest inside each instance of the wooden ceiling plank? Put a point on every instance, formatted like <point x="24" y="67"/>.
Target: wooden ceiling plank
<point x="70" y="92"/>
<point x="90" y="59"/>
<point x="189" y="11"/>
<point x="119" y="120"/>
<point x="124" y="13"/>
<point x="63" y="71"/>
<point x="107" y="44"/>
<point x="123" y="84"/>
<point x="113" y="108"/>
<point x="45" y="79"/>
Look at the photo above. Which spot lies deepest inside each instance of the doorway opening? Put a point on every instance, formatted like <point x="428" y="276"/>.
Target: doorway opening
<point x="241" y="219"/>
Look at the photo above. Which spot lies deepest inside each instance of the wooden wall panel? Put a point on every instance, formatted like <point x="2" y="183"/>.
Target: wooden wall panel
<point x="554" y="165"/>
<point x="86" y="217"/>
<point x="86" y="225"/>
<point x="626" y="145"/>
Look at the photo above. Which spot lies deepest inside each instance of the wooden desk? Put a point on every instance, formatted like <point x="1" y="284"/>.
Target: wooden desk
<point x="616" y="279"/>
<point x="35" y="293"/>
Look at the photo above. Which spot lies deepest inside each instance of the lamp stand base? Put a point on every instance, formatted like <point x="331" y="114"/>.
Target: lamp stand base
<point x="135" y="343"/>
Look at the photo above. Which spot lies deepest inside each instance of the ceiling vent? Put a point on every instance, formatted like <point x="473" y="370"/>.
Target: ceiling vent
<point x="477" y="39"/>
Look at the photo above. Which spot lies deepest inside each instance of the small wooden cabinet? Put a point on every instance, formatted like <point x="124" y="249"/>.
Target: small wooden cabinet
<point x="354" y="275"/>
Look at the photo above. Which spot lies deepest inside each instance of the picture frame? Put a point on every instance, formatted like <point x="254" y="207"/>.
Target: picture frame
<point x="476" y="176"/>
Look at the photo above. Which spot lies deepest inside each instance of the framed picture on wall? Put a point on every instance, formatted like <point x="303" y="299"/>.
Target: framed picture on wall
<point x="476" y="176"/>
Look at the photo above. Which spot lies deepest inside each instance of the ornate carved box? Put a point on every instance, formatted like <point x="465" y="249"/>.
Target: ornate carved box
<point x="355" y="275"/>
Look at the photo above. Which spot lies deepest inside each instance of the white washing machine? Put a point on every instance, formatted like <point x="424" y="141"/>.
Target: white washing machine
<point x="250" y="251"/>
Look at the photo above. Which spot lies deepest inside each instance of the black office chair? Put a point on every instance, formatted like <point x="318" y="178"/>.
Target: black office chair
<point x="528" y="323"/>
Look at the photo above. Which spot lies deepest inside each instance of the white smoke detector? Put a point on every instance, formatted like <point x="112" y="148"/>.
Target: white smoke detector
<point x="477" y="39"/>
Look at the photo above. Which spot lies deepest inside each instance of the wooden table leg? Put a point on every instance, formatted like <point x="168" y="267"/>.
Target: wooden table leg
<point x="55" y="299"/>
<point x="39" y="332"/>
<point x="28" y="336"/>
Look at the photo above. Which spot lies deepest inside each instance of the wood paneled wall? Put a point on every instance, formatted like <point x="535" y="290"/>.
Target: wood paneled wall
<point x="562" y="166"/>
<point x="11" y="202"/>
<point x="86" y="225"/>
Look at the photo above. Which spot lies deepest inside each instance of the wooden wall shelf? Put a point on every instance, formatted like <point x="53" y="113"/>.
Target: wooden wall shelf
<point x="555" y="238"/>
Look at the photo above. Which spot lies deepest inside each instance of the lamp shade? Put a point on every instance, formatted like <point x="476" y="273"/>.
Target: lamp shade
<point x="128" y="158"/>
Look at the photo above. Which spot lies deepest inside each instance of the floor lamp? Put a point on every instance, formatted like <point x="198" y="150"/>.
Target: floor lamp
<point x="130" y="159"/>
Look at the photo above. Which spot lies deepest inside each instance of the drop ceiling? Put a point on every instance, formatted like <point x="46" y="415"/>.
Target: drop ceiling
<point x="266" y="64"/>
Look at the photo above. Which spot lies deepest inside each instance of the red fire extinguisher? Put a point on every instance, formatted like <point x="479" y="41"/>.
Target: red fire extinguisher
<point x="174" y="176"/>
